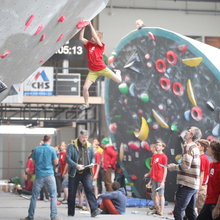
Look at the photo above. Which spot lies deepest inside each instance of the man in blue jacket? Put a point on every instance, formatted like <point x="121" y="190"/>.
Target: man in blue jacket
<point x="113" y="202"/>
<point x="79" y="157"/>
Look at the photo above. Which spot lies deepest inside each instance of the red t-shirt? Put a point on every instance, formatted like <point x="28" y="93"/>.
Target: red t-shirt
<point x="30" y="167"/>
<point x="98" y="157"/>
<point x="204" y="166"/>
<point x="157" y="171"/>
<point x="95" y="56"/>
<point x="213" y="190"/>
<point x="62" y="160"/>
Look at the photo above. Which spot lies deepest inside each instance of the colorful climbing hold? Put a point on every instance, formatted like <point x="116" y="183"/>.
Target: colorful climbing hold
<point x="192" y="62"/>
<point x="151" y="35"/>
<point x="61" y="19"/>
<point x="145" y="145"/>
<point x="134" y="145"/>
<point x="5" y="54"/>
<point x="183" y="48"/>
<point x="196" y="113"/>
<point x="82" y="24"/>
<point x="173" y="127"/>
<point x="171" y="58"/>
<point x="178" y="89"/>
<point x="147" y="162"/>
<point x="144" y="97"/>
<point x="39" y="29"/>
<point x="190" y="93"/>
<point x="29" y="21"/>
<point x="60" y="37"/>
<point x="123" y="88"/>
<point x="165" y="83"/>
<point x="142" y="134"/>
<point x="215" y="130"/>
<point x="159" y="119"/>
<point x="161" y="66"/>
<point x="113" y="127"/>
<point x="42" y="37"/>
<point x="187" y="115"/>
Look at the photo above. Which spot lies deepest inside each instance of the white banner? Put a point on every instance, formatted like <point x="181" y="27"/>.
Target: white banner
<point x="39" y="83"/>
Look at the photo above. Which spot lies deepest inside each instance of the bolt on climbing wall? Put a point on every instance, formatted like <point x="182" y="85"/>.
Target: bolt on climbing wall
<point x="33" y="30"/>
<point x="170" y="82"/>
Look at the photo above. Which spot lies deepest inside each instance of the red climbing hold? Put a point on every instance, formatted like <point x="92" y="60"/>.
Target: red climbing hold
<point x="41" y="61"/>
<point x="29" y="21"/>
<point x="151" y="36"/>
<point x="178" y="89"/>
<point x="42" y="37"/>
<point x="183" y="48"/>
<point x="61" y="19"/>
<point x="5" y="54"/>
<point x="161" y="66"/>
<point x="165" y="83"/>
<point x="60" y="37"/>
<point x="82" y="24"/>
<point x="39" y="29"/>
<point x="171" y="58"/>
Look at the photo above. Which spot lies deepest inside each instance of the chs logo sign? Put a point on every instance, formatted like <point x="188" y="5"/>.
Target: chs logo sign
<point x="40" y="83"/>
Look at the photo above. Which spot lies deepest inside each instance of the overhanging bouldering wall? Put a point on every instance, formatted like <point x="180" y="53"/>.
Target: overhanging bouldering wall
<point x="170" y="82"/>
<point x="33" y="30"/>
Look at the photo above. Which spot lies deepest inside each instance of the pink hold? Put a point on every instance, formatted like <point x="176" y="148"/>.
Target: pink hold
<point x="151" y="36"/>
<point x="113" y="127"/>
<point x="82" y="24"/>
<point x="5" y="54"/>
<point x="61" y="19"/>
<point x="41" y="61"/>
<point x="147" y="56"/>
<point x="133" y="177"/>
<point x="60" y="37"/>
<point x="127" y="78"/>
<point x="140" y="111"/>
<point x="161" y="107"/>
<point x="145" y="145"/>
<point x="43" y="37"/>
<point x="29" y="21"/>
<point x="149" y="65"/>
<point x="155" y="126"/>
<point x="134" y="145"/>
<point x="39" y="29"/>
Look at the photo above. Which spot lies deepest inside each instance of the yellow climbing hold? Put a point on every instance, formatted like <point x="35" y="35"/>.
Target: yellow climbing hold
<point x="190" y="93"/>
<point x="192" y="61"/>
<point x="159" y="119"/>
<point x="142" y="134"/>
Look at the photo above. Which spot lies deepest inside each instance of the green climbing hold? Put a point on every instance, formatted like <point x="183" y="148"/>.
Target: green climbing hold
<point x="149" y="120"/>
<point x="144" y="97"/>
<point x="173" y="127"/>
<point x="123" y="88"/>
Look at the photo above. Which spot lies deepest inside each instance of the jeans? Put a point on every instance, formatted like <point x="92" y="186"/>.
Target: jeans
<point x="50" y="183"/>
<point x="185" y="201"/>
<point x="86" y="179"/>
<point x="206" y="212"/>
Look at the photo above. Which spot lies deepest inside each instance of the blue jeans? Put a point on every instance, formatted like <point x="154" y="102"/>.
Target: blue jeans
<point x="50" y="183"/>
<point x="86" y="179"/>
<point x="185" y="201"/>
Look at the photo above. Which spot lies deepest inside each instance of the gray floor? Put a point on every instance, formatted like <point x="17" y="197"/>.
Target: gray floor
<point x="14" y="207"/>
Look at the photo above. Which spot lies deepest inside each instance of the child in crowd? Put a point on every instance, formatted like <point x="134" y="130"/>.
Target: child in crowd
<point x="211" y="208"/>
<point x="95" y="50"/>
<point x="204" y="173"/>
<point x="113" y="202"/>
<point x="158" y="174"/>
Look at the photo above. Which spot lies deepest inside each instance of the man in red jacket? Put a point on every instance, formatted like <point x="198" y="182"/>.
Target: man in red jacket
<point x="109" y="163"/>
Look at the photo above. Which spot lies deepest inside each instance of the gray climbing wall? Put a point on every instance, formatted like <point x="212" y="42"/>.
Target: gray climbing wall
<point x="33" y="30"/>
<point x="170" y="82"/>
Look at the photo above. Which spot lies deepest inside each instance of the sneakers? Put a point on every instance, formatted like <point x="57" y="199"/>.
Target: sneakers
<point x="84" y="107"/>
<point x="96" y="212"/>
<point x="118" y="74"/>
